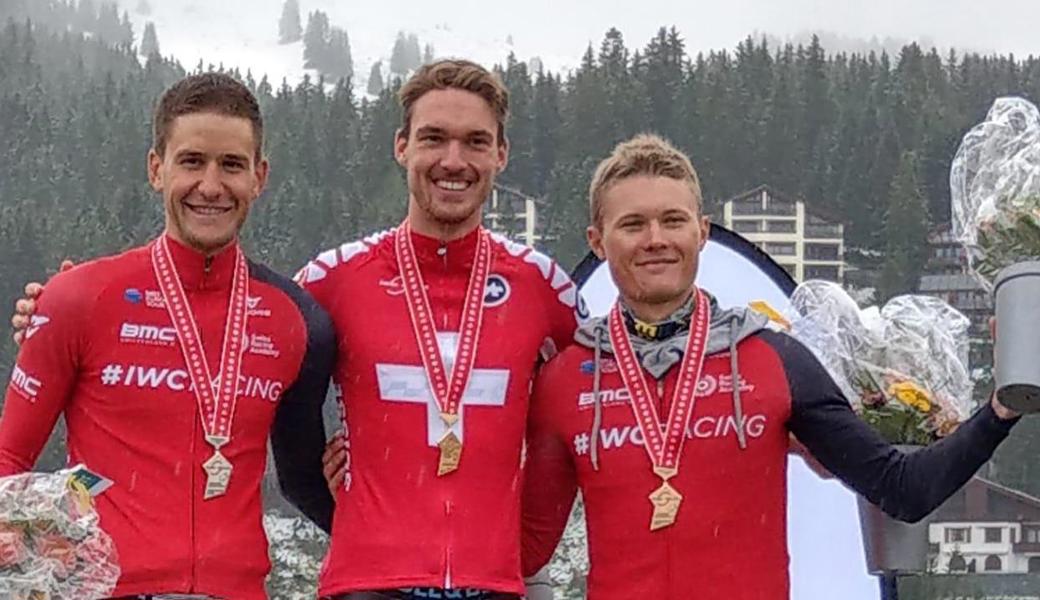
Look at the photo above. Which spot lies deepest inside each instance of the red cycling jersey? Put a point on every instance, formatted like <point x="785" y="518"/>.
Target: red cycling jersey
<point x="729" y="537"/>
<point x="101" y="350"/>
<point x="397" y="523"/>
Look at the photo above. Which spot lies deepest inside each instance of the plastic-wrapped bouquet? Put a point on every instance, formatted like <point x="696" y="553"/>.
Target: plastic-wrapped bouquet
<point x="51" y="545"/>
<point x="903" y="366"/>
<point x="995" y="188"/>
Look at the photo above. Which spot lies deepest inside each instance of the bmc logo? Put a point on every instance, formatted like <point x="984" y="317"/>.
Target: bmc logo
<point x="26" y="385"/>
<point x="587" y="400"/>
<point x="134" y="333"/>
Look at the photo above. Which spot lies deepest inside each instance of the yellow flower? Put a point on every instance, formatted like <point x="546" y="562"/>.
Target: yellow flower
<point x="912" y="395"/>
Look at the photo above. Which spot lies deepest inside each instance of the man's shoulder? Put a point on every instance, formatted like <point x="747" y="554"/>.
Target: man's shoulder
<point x="345" y="259"/>
<point x="121" y="272"/>
<point x="536" y="269"/>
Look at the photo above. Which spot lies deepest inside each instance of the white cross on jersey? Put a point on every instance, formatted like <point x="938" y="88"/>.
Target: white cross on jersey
<point x="409" y="383"/>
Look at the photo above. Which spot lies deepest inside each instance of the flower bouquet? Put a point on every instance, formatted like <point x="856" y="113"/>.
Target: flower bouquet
<point x="51" y="545"/>
<point x="995" y="202"/>
<point x="903" y="367"/>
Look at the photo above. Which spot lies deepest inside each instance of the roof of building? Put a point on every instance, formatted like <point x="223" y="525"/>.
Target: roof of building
<point x="824" y="213"/>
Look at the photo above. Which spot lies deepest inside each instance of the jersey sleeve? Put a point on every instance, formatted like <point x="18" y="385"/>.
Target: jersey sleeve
<point x="907" y="486"/>
<point x="298" y="432"/>
<point x="550" y="479"/>
<point x="44" y="375"/>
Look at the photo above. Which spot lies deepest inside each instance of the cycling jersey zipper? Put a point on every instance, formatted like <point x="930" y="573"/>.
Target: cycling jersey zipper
<point x="447" y="546"/>
<point x="191" y="499"/>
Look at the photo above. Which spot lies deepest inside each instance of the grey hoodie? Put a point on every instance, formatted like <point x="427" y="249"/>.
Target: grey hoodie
<point x="727" y="328"/>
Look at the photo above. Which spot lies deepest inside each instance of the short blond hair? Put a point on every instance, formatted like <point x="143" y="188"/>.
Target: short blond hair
<point x="456" y="74"/>
<point x="645" y="154"/>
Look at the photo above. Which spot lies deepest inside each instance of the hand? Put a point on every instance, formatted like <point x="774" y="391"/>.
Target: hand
<point x="1002" y="411"/>
<point x="334" y="462"/>
<point x="25" y="307"/>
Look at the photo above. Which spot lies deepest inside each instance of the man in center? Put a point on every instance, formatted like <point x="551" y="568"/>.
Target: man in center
<point x="441" y="326"/>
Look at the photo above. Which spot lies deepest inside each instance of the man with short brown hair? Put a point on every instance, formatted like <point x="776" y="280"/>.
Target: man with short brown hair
<point x="172" y="361"/>
<point x="442" y="325"/>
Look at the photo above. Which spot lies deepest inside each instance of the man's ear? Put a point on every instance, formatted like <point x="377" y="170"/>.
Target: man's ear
<point x="595" y="238"/>
<point x="154" y="165"/>
<point x="400" y="145"/>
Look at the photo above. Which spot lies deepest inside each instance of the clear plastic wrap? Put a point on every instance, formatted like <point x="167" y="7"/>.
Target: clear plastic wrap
<point x="51" y="544"/>
<point x="995" y="188"/>
<point x="904" y="367"/>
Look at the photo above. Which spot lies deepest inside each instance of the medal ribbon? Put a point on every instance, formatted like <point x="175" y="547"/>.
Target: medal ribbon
<point x="446" y="390"/>
<point x="216" y="397"/>
<point x="664" y="441"/>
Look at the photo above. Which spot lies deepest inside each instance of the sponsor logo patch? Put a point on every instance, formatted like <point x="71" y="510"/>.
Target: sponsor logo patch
<point x="178" y="380"/>
<point x="150" y="335"/>
<point x="496" y="291"/>
<point x="25" y="385"/>
<point x="35" y="323"/>
<point x="253" y="308"/>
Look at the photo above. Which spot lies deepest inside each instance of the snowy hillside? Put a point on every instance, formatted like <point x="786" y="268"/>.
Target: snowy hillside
<point x="244" y="34"/>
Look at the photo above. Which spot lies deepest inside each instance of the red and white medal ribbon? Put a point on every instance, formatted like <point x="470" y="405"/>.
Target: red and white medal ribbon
<point x="216" y="397"/>
<point x="447" y="390"/>
<point x="664" y="441"/>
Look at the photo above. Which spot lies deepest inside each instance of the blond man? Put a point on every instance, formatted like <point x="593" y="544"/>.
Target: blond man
<point x="673" y="416"/>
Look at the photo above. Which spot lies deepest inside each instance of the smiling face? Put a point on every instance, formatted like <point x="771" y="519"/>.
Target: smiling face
<point x="209" y="177"/>
<point x="452" y="153"/>
<point x="651" y="233"/>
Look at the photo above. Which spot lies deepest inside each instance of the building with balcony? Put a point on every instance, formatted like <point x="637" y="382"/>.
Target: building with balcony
<point x="805" y="243"/>
<point x="986" y="528"/>
<point x="946" y="276"/>
<point x="513" y="214"/>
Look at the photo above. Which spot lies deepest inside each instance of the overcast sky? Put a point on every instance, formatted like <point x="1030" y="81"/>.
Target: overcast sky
<point x="243" y="32"/>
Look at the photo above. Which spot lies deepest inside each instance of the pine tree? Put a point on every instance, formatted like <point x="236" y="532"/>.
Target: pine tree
<point x="413" y="52"/>
<point x="427" y="55"/>
<point x="289" y="28"/>
<point x="339" y="63"/>
<point x="905" y="232"/>
<point x="144" y="8"/>
<point x="399" y="64"/>
<point x="375" y="79"/>
<point x="149" y="40"/>
<point x="316" y="40"/>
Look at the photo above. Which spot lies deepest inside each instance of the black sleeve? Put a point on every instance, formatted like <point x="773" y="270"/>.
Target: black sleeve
<point x="907" y="486"/>
<point x="298" y="433"/>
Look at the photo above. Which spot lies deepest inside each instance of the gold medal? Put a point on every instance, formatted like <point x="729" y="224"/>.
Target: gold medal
<point x="451" y="454"/>
<point x="447" y="388"/>
<point x="665" y="499"/>
<point x="218" y="475"/>
<point x="664" y="439"/>
<point x="216" y="397"/>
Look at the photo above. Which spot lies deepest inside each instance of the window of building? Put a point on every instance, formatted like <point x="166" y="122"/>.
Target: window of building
<point x="1031" y="534"/>
<point x="781" y="226"/>
<point x="1034" y="564"/>
<point x="993" y="563"/>
<point x="958" y="535"/>
<point x="743" y="226"/>
<point x="822" y="252"/>
<point x="780" y="248"/>
<point x="994" y="535"/>
<point x="826" y="272"/>
<point x="957" y="563"/>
